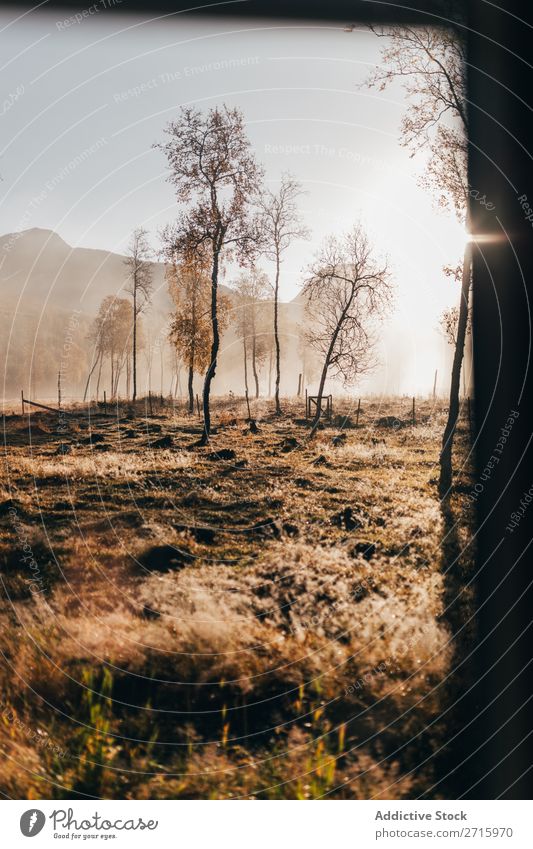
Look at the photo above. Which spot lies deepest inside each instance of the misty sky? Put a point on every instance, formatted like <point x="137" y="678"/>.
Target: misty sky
<point x="106" y="87"/>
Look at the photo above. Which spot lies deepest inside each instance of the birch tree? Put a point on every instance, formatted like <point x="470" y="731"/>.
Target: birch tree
<point x="431" y="62"/>
<point x="281" y="224"/>
<point x="217" y="181"/>
<point x="346" y="289"/>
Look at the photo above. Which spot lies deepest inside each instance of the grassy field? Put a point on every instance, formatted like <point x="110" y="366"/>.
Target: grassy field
<point x="267" y="617"/>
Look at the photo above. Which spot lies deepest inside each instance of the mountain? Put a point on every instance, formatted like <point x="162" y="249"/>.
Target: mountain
<point x="38" y="265"/>
<point x="44" y="282"/>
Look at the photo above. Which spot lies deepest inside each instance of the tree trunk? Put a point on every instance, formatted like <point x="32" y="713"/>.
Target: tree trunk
<point x="445" y="480"/>
<point x="134" y="397"/>
<point x="316" y="420"/>
<point x="245" y="355"/>
<point x="276" y="334"/>
<point x="214" y="350"/>
<point x="88" y="378"/>
<point x="190" y="387"/>
<point x="254" y="365"/>
<point x="327" y="362"/>
<point x="270" y="374"/>
<point x="99" y="375"/>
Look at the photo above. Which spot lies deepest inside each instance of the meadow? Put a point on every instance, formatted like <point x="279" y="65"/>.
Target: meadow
<point x="269" y="616"/>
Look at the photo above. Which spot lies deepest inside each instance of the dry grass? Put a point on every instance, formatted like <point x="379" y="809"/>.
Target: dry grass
<point x="264" y="626"/>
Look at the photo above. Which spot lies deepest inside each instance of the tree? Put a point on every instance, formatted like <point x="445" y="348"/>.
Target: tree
<point x="281" y="225"/>
<point x="140" y="285"/>
<point x="346" y="290"/>
<point x="251" y="291"/>
<point x="431" y="63"/>
<point x="216" y="175"/>
<point x="450" y="319"/>
<point x="190" y="331"/>
<point x="110" y="332"/>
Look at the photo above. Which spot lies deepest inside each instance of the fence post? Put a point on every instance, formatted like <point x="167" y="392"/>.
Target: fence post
<point x="299" y="385"/>
<point x="414" y="415"/>
<point x="358" y="411"/>
<point x="59" y="390"/>
<point x="435" y="385"/>
<point x="306" y="404"/>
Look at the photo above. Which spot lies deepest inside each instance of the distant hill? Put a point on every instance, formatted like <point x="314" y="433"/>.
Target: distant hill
<point x="39" y="264"/>
<point x="43" y="280"/>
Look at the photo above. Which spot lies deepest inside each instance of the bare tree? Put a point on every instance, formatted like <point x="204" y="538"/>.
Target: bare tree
<point x="215" y="173"/>
<point x="346" y="291"/>
<point x="251" y="291"/>
<point x="281" y="225"/>
<point x="431" y="61"/>
<point x="111" y="333"/>
<point x="140" y="285"/>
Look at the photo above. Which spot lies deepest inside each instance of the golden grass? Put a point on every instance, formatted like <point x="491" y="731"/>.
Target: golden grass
<point x="276" y="657"/>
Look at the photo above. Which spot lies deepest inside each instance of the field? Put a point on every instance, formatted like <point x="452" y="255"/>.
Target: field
<point x="266" y="617"/>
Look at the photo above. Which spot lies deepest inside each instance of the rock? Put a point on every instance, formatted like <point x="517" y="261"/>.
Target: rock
<point x="129" y="434"/>
<point x="366" y="549"/>
<point x="252" y="424"/>
<point x="148" y="613"/>
<point x="164" y="558"/>
<point x="164" y="442"/>
<point x="268" y="527"/>
<point x="391" y="421"/>
<point x="152" y="427"/>
<point x="346" y="519"/>
<point x="303" y="483"/>
<point x="92" y="439"/>
<point x="321" y="461"/>
<point x="290" y="529"/>
<point x="288" y="444"/>
<point x="222" y="454"/>
<point x="203" y="535"/>
<point x="9" y="505"/>
<point x="339" y="439"/>
<point x="103" y="446"/>
<point x="345" y="421"/>
<point x="63" y="448"/>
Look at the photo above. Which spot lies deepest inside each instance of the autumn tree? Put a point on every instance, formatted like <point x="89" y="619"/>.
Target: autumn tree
<point x="430" y="62"/>
<point x="217" y="180"/>
<point x="190" y="327"/>
<point x="346" y="289"/>
<point x="252" y="289"/>
<point x="139" y="287"/>
<point x="281" y="224"/>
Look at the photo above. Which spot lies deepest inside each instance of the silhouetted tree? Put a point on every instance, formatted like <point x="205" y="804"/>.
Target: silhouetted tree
<point x="431" y="61"/>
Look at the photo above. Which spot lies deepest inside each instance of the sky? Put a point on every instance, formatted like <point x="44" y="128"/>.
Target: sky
<point x="83" y="103"/>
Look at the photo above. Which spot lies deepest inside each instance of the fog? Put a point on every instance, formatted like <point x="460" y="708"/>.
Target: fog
<point x="79" y="173"/>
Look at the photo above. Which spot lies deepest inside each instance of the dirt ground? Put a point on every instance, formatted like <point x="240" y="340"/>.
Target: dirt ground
<point x="268" y="617"/>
